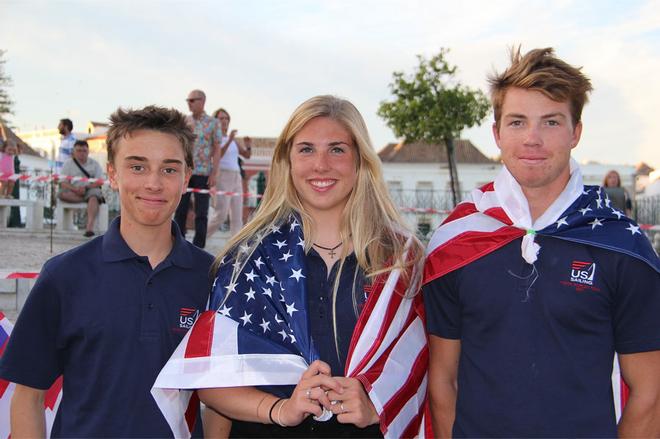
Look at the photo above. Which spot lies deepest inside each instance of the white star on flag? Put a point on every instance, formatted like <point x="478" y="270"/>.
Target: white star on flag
<point x="285" y="256"/>
<point x="585" y="210"/>
<point x="250" y="276"/>
<point x="268" y="292"/>
<point x="278" y="320"/>
<point x="264" y="325"/>
<point x="633" y="229"/>
<point x="225" y="311"/>
<point x="270" y="280"/>
<point x="246" y="318"/>
<point x="280" y="244"/>
<point x="244" y="248"/>
<point x="562" y="222"/>
<point x="607" y="202"/>
<point x="290" y="309"/>
<point x="301" y="242"/>
<point x="293" y="338"/>
<point x="599" y="203"/>
<point x="296" y="274"/>
<point x="231" y="288"/>
<point x="283" y="334"/>
<point x="250" y="295"/>
<point x="596" y="222"/>
<point x="293" y="225"/>
<point x="617" y="213"/>
<point x="258" y="262"/>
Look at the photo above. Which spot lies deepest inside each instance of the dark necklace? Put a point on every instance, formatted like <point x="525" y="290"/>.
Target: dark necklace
<point x="330" y="249"/>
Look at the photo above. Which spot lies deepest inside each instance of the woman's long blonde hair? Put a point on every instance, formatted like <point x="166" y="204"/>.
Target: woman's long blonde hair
<point x="370" y="220"/>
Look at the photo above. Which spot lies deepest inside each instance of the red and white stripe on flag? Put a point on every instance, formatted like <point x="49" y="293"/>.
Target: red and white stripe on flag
<point x="208" y="357"/>
<point x="389" y="355"/>
<point x="51" y="401"/>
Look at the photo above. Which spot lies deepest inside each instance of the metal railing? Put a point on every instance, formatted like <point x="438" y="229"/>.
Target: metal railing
<point x="423" y="199"/>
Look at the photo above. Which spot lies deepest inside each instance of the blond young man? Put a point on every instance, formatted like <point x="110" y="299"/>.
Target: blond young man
<point x="534" y="284"/>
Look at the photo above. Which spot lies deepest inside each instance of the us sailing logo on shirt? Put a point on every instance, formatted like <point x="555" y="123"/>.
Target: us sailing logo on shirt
<point x="583" y="272"/>
<point x="187" y="317"/>
<point x="582" y="276"/>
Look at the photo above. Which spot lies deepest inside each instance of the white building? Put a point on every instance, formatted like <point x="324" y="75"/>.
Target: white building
<point x="417" y="175"/>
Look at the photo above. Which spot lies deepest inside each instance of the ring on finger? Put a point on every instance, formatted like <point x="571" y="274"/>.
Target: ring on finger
<point x="308" y="393"/>
<point x="341" y="407"/>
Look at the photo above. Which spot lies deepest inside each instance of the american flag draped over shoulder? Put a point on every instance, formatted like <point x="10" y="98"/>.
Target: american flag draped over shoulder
<point x="480" y="225"/>
<point x="256" y="332"/>
<point x="51" y="400"/>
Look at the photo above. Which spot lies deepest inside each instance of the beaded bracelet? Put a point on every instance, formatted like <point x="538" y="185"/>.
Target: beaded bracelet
<point x="270" y="412"/>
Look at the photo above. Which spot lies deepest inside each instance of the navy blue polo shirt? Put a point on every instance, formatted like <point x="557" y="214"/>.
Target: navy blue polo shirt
<point x="102" y="317"/>
<point x="537" y="342"/>
<point x="320" y="284"/>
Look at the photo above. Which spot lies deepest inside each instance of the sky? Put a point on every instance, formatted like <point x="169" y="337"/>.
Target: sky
<point x="261" y="59"/>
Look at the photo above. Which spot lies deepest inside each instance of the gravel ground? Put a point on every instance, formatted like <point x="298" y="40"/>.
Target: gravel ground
<point x="27" y="252"/>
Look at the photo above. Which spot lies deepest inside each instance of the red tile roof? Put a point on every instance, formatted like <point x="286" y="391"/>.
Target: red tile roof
<point x="420" y="152"/>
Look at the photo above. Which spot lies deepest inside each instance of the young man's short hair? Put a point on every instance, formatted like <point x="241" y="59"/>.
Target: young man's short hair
<point x="81" y="143"/>
<point x="67" y="123"/>
<point x="165" y="120"/>
<point x="541" y="70"/>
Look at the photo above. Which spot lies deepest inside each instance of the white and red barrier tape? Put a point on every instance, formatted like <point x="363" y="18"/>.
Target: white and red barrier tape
<point x="57" y="177"/>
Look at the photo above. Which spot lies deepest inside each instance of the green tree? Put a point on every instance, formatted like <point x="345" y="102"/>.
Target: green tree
<point x="431" y="106"/>
<point x="6" y="103"/>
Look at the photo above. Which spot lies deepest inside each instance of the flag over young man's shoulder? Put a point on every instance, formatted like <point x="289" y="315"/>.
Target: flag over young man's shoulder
<point x="481" y="225"/>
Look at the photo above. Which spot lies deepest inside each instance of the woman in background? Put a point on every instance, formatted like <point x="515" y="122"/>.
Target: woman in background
<point x="617" y="194"/>
<point x="229" y="178"/>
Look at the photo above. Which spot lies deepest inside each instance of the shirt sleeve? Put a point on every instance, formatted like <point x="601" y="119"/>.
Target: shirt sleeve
<point x="32" y="357"/>
<point x="636" y="308"/>
<point x="442" y="305"/>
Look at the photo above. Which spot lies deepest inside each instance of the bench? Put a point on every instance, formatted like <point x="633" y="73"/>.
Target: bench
<point x="64" y="216"/>
<point x="34" y="218"/>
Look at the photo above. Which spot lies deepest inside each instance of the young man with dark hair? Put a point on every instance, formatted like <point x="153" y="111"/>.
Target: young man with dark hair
<point x="533" y="285"/>
<point x="107" y="315"/>
<point x="65" y="128"/>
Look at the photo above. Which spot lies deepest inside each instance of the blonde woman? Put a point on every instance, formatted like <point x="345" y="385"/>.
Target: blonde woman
<point x="315" y="330"/>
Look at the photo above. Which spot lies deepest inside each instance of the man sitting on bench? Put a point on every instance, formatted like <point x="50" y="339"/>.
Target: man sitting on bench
<point x="80" y="165"/>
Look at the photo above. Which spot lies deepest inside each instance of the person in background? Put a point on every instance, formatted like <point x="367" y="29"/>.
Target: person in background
<point x="8" y="154"/>
<point x="81" y="165"/>
<point x="617" y="194"/>
<point x="230" y="177"/>
<point x="65" y="150"/>
<point x="207" y="145"/>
